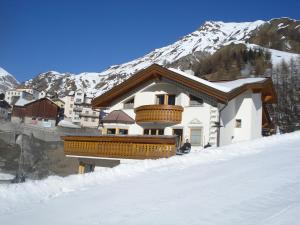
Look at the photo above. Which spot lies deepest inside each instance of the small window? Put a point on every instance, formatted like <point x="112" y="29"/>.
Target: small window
<point x="160" y="132"/>
<point x="146" y="131"/>
<point x="72" y="98"/>
<point x="46" y="120"/>
<point x="129" y="104"/>
<point x="70" y="112"/>
<point x="86" y="119"/>
<point x="123" y="131"/>
<point x="195" y="101"/>
<point x="79" y="94"/>
<point x="153" y="131"/>
<point x="94" y="113"/>
<point x="86" y="112"/>
<point x="93" y="120"/>
<point x="160" y="99"/>
<point x="171" y="99"/>
<point x="78" y="100"/>
<point x="111" y="131"/>
<point x="71" y="105"/>
<point x="33" y="118"/>
<point x="238" y="123"/>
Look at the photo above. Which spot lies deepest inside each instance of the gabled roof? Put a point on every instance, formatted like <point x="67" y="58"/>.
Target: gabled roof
<point x="4" y="104"/>
<point x="222" y="91"/>
<point x="41" y="99"/>
<point x="118" y="116"/>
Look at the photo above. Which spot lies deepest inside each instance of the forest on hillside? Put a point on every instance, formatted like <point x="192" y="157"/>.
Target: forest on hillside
<point x="236" y="61"/>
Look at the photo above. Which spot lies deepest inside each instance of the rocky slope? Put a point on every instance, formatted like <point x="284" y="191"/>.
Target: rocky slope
<point x="185" y="53"/>
<point x="7" y="81"/>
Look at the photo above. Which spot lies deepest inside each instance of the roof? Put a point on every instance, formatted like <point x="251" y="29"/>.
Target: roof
<point x="221" y="91"/>
<point x="22" y="102"/>
<point x="41" y="99"/>
<point x="118" y="116"/>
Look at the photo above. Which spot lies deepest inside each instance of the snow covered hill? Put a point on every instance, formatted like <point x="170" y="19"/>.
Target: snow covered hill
<point x="210" y="37"/>
<point x="254" y="182"/>
<point x="7" y="81"/>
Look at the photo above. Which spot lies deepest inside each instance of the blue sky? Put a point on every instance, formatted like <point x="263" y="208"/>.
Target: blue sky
<point x="89" y="36"/>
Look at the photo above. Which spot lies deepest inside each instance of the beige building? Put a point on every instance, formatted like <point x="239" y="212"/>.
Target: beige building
<point x="78" y="109"/>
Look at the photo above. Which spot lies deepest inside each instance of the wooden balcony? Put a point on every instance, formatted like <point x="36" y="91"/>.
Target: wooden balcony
<point x="170" y="114"/>
<point x="124" y="147"/>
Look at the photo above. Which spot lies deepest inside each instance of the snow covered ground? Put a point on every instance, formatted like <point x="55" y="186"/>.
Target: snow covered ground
<point x="254" y="182"/>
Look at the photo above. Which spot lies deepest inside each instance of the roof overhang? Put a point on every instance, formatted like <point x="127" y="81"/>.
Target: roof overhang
<point x="156" y="72"/>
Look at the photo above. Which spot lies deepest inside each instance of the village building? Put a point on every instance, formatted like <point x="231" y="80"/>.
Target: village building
<point x="23" y="94"/>
<point x="5" y="108"/>
<point x="39" y="113"/>
<point x="152" y="113"/>
<point x="78" y="110"/>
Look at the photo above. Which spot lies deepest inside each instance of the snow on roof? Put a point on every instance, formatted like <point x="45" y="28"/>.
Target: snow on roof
<point x="226" y="86"/>
<point x="65" y="123"/>
<point x="22" y="102"/>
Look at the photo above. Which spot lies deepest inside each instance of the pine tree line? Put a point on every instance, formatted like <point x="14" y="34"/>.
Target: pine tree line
<point x="286" y="78"/>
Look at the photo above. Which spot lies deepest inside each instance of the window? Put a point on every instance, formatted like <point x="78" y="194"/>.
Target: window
<point x="72" y="98"/>
<point x="79" y="94"/>
<point x="86" y="112"/>
<point x="123" y="131"/>
<point x="195" y="101"/>
<point x="71" y="105"/>
<point x="160" y="99"/>
<point x="129" y="104"/>
<point x="78" y="100"/>
<point x="238" y="123"/>
<point x="70" y="112"/>
<point x="165" y="99"/>
<point x="33" y="118"/>
<point x="93" y="120"/>
<point x="94" y="113"/>
<point x="86" y="119"/>
<point x="111" y="131"/>
<point x="46" y="120"/>
<point x="153" y="131"/>
<point x="171" y="99"/>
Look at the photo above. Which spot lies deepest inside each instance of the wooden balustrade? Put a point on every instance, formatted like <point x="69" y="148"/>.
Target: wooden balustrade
<point x="127" y="147"/>
<point x="159" y="114"/>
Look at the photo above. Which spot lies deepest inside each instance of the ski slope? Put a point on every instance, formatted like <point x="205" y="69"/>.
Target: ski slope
<point x="251" y="183"/>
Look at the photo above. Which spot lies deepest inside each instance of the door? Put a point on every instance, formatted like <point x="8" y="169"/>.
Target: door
<point x="179" y="134"/>
<point x="196" y="136"/>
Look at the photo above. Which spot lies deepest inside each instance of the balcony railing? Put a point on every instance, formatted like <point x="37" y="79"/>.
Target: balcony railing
<point x="126" y="147"/>
<point x="159" y="114"/>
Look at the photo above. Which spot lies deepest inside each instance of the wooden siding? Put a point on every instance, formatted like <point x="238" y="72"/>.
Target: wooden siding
<point x="159" y="114"/>
<point x="127" y="147"/>
<point x="43" y="108"/>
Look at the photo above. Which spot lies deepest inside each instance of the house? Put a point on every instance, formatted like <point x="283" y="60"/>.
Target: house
<point x="165" y="103"/>
<point x="5" y="108"/>
<point x="39" y="113"/>
<point x="78" y="109"/>
<point x="12" y="96"/>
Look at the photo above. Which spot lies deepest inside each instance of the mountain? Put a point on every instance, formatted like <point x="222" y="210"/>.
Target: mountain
<point x="281" y="37"/>
<point x="7" y="81"/>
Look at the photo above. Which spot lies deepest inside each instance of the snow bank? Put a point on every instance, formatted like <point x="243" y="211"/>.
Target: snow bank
<point x="36" y="191"/>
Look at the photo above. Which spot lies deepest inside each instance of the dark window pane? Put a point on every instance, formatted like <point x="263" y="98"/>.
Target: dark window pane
<point x="171" y="100"/>
<point x="160" y="99"/>
<point x="111" y="131"/>
<point x="123" y="131"/>
<point x="161" y="132"/>
<point x="195" y="100"/>
<point x="153" y="131"/>
<point x="146" y="131"/>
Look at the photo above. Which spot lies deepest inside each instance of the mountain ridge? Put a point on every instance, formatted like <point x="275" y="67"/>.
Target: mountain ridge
<point x="182" y="54"/>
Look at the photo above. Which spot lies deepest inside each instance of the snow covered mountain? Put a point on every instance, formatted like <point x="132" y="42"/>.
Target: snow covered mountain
<point x="206" y="40"/>
<point x="7" y="81"/>
<point x="253" y="182"/>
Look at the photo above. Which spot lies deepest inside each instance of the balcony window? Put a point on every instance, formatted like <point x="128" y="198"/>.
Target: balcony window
<point x="129" y="104"/>
<point x="165" y="99"/>
<point x="195" y="101"/>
